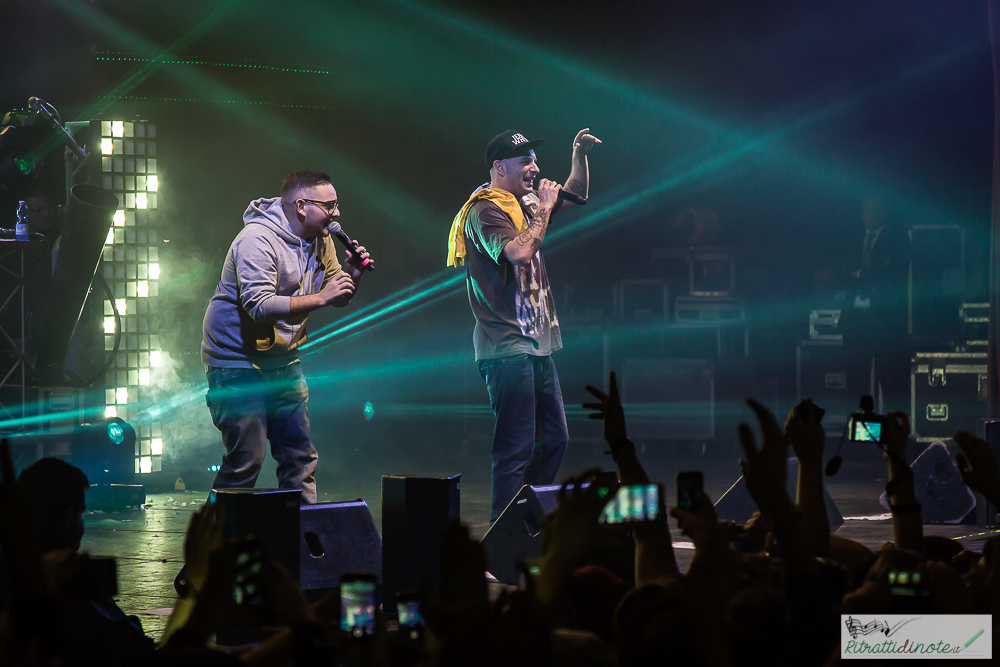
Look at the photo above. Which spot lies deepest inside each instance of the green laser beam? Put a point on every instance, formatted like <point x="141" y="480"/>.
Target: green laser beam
<point x="264" y="103"/>
<point x="390" y="201"/>
<point x="111" y="56"/>
<point x="131" y="80"/>
<point x="98" y="19"/>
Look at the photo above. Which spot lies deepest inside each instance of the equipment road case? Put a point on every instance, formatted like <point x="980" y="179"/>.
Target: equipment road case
<point x="947" y="393"/>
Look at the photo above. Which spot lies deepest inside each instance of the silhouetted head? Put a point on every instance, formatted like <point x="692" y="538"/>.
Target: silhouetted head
<point x="57" y="490"/>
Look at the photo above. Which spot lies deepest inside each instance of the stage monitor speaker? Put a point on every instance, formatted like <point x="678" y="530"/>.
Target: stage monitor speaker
<point x="517" y="532"/>
<point x="737" y="506"/>
<point x="415" y="511"/>
<point x="270" y="515"/>
<point x="943" y="496"/>
<point x="337" y="538"/>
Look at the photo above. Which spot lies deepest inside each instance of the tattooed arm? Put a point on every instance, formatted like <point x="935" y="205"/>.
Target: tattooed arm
<point x="579" y="176"/>
<point x="526" y="244"/>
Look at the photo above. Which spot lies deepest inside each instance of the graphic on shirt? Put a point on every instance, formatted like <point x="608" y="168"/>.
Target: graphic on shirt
<point x="533" y="303"/>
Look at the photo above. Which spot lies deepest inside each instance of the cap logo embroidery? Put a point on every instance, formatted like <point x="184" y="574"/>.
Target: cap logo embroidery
<point x="518" y="139"/>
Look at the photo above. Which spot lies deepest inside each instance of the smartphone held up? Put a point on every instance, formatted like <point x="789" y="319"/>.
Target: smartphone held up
<point x="357" y="604"/>
<point x="631" y="503"/>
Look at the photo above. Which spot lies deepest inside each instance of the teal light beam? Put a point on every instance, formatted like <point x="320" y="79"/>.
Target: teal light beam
<point x="449" y="286"/>
<point x="488" y="34"/>
<point x="633" y="411"/>
<point x="137" y="75"/>
<point x="425" y="284"/>
<point x="617" y="212"/>
<point x="393" y="203"/>
<point x="95" y="18"/>
<point x="444" y="284"/>
<point x="35" y="420"/>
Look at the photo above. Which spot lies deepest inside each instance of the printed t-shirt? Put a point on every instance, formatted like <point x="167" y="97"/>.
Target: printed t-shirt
<point x="514" y="309"/>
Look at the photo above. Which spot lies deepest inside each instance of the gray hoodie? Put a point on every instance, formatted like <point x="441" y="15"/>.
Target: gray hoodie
<point x="247" y="324"/>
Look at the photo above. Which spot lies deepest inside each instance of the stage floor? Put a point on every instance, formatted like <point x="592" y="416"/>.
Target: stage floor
<point x="148" y="543"/>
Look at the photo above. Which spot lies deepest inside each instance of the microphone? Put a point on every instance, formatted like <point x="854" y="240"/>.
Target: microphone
<point x="43" y="107"/>
<point x="350" y="244"/>
<point x="563" y="196"/>
<point x="571" y="197"/>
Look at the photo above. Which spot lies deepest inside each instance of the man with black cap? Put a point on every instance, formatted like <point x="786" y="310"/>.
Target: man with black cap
<point x="498" y="235"/>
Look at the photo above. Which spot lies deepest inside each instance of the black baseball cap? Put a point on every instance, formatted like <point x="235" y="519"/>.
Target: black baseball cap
<point x="508" y="144"/>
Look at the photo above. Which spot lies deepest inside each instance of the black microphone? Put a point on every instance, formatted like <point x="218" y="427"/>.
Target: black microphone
<point x="349" y="243"/>
<point x="43" y="107"/>
<point x="571" y="197"/>
<point x="563" y="196"/>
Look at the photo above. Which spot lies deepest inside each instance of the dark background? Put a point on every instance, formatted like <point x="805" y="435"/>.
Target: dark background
<point x="777" y="116"/>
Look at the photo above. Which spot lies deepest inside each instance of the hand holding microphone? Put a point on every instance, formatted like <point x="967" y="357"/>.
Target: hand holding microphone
<point x="562" y="196"/>
<point x="353" y="247"/>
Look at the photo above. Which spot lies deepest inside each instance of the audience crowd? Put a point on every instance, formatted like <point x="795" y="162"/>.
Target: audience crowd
<point x="769" y="592"/>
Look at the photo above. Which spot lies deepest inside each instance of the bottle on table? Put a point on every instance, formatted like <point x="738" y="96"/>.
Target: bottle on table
<point x="21" y="231"/>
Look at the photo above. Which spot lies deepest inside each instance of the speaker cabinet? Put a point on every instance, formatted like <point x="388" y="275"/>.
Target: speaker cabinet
<point x="943" y="496"/>
<point x="517" y="532"/>
<point x="270" y="515"/>
<point x="337" y="538"/>
<point x="737" y="506"/>
<point x="415" y="511"/>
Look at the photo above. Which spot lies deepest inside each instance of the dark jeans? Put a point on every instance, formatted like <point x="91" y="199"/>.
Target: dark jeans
<point x="251" y="407"/>
<point x="530" y="437"/>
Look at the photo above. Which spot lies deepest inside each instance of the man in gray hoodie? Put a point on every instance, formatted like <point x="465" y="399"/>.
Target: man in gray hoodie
<point x="281" y="267"/>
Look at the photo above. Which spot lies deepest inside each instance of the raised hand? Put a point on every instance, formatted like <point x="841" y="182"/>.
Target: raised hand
<point x="204" y="535"/>
<point x="569" y="529"/>
<point x="805" y="433"/>
<point x="584" y="142"/>
<point x="807" y="439"/>
<point x="978" y="465"/>
<point x="702" y="525"/>
<point x="764" y="468"/>
<point x="610" y="410"/>
<point x="895" y="433"/>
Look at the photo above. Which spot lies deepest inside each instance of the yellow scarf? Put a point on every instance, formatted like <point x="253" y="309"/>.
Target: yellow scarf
<point x="507" y="202"/>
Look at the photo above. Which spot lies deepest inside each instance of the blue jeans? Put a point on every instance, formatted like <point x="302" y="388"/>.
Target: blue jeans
<point x="530" y="436"/>
<point x="252" y="406"/>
